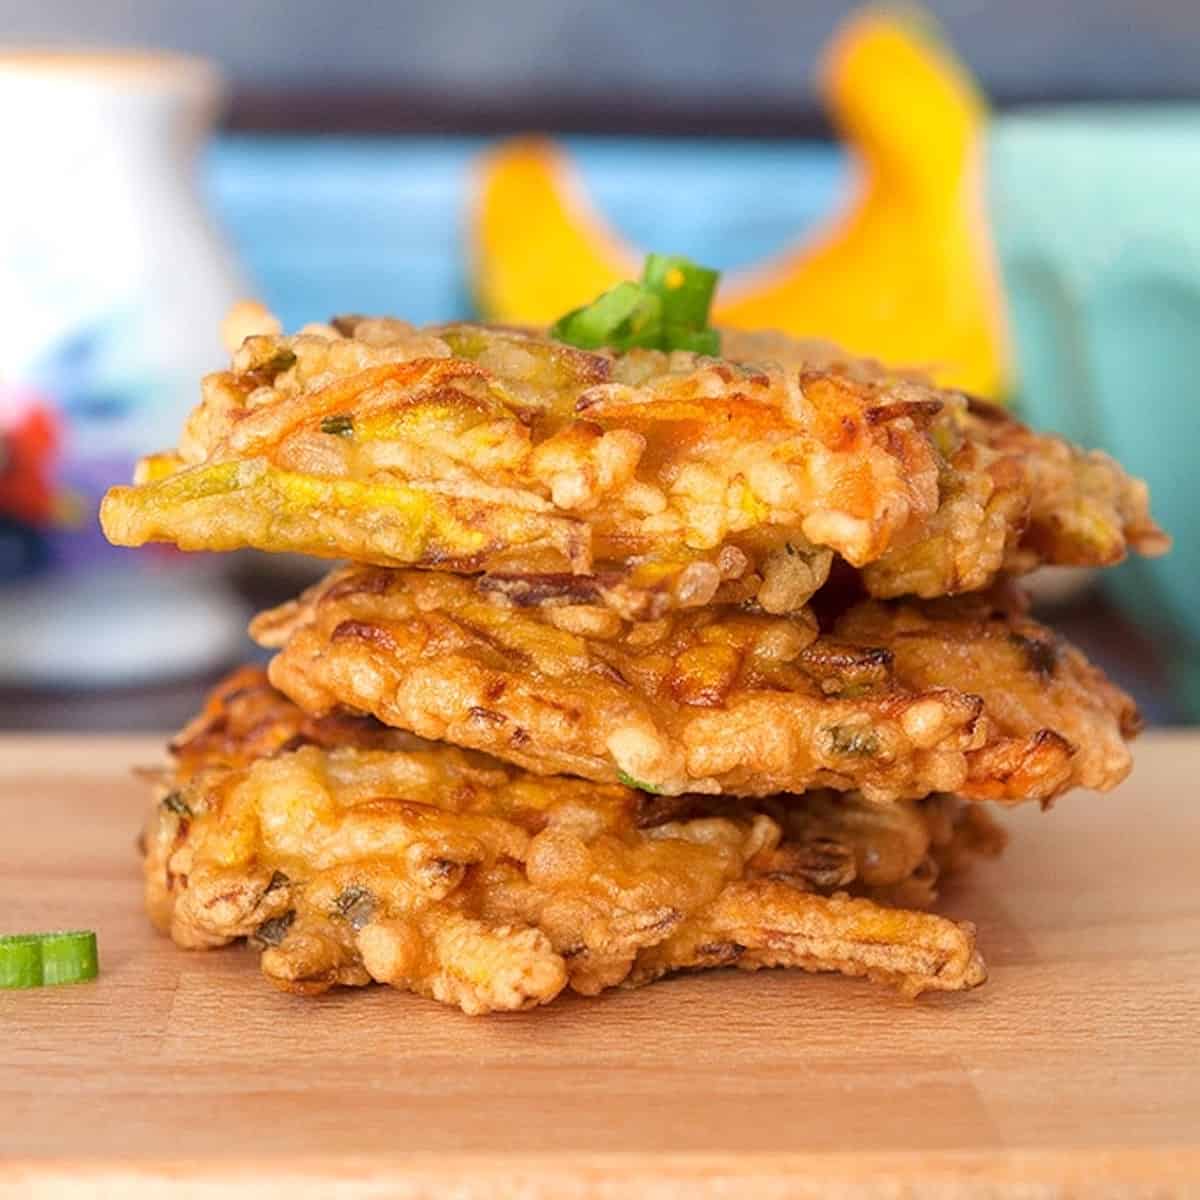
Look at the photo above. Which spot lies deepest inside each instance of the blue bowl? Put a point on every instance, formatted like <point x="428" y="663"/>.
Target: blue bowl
<point x="1097" y="217"/>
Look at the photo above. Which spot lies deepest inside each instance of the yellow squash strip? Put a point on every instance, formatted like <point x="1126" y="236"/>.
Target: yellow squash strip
<point x="387" y="523"/>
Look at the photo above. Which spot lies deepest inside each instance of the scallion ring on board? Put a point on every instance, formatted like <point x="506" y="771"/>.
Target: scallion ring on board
<point x="29" y="960"/>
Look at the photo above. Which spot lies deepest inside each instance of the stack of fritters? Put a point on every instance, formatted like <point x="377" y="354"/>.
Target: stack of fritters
<point x="712" y="660"/>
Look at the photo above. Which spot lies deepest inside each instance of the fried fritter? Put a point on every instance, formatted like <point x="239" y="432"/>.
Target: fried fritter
<point x="245" y="719"/>
<point x="1032" y="679"/>
<point x="449" y="874"/>
<point x="1010" y="499"/>
<point x="712" y="700"/>
<point x="662" y="480"/>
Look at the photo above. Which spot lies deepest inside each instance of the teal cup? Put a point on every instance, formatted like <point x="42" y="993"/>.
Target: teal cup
<point x="1096" y="211"/>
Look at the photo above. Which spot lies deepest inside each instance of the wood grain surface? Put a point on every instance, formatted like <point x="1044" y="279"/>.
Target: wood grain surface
<point x="1074" y="1071"/>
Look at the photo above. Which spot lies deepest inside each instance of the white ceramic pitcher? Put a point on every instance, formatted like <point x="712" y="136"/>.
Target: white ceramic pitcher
<point x="113" y="283"/>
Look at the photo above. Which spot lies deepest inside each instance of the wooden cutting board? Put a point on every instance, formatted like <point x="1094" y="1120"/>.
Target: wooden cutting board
<point x="1074" y="1071"/>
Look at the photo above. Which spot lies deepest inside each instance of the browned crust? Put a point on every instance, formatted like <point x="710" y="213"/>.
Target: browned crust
<point x="669" y="480"/>
<point x="898" y="700"/>
<point x="455" y="876"/>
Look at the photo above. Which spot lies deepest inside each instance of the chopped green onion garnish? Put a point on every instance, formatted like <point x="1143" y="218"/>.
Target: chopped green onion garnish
<point x="629" y="781"/>
<point x="686" y="289"/>
<point x="29" y="960"/>
<point x="174" y="802"/>
<point x="273" y="931"/>
<point x="666" y="310"/>
<point x="624" y="315"/>
<point x="852" y="741"/>
<point x="278" y="879"/>
<point x="699" y="341"/>
<point x="339" y="425"/>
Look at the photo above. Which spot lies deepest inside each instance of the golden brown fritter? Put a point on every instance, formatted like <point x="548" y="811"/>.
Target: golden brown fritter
<point x="1010" y="499"/>
<point x="711" y="700"/>
<point x="665" y="480"/>
<point x="1032" y="679"/>
<point x="449" y="874"/>
<point x="1085" y="511"/>
<point x="245" y="718"/>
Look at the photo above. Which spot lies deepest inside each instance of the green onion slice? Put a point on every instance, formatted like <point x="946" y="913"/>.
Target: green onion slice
<point x="29" y="960"/>
<point x="666" y="310"/>
<point x="626" y="315"/>
<point x="629" y="781"/>
<point x="686" y="288"/>
<point x="699" y="341"/>
<point x="338" y="425"/>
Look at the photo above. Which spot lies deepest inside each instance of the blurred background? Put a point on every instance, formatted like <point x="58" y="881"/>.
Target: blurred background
<point x="1040" y="206"/>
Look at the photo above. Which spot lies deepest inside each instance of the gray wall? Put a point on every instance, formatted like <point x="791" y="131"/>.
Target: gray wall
<point x="621" y="61"/>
